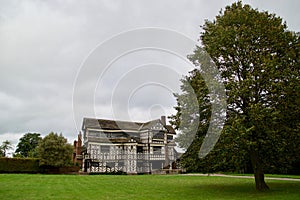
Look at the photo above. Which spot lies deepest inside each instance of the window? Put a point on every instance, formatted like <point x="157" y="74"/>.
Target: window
<point x="140" y="149"/>
<point x="170" y="138"/>
<point x="105" y="149"/>
<point x="97" y="134"/>
<point x="159" y="135"/>
<point x="157" y="150"/>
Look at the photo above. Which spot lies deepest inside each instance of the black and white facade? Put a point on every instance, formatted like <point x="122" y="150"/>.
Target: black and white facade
<point x="130" y="147"/>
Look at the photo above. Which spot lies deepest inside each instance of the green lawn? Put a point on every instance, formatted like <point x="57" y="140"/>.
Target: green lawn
<point x="25" y="186"/>
<point x="267" y="175"/>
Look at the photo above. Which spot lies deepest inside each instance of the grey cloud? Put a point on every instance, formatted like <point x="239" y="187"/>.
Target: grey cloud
<point x="44" y="43"/>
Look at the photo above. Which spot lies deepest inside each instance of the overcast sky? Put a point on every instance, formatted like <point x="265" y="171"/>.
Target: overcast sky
<point x="64" y="60"/>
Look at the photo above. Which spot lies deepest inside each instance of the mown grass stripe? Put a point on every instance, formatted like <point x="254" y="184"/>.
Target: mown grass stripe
<point x="25" y="186"/>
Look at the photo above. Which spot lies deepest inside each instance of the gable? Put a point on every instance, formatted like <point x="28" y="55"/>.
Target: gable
<point x="157" y="126"/>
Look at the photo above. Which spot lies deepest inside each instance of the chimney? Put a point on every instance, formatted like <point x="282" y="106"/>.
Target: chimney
<point x="163" y="120"/>
<point x="79" y="139"/>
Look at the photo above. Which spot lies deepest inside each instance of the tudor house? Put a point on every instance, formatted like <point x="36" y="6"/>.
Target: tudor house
<point x="131" y="147"/>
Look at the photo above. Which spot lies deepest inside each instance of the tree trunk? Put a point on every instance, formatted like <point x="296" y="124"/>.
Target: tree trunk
<point x="260" y="180"/>
<point x="258" y="171"/>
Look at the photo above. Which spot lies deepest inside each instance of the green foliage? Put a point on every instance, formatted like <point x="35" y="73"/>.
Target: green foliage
<point x="19" y="165"/>
<point x="225" y="157"/>
<point x="6" y="145"/>
<point x="258" y="59"/>
<point x="27" y="145"/>
<point x="53" y="150"/>
<point x="193" y="109"/>
<point x="46" y="169"/>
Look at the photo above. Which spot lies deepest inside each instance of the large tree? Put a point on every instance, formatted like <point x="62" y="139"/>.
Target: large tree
<point x="193" y="109"/>
<point x="27" y="145"/>
<point x="258" y="59"/>
<point x="53" y="150"/>
<point x="193" y="119"/>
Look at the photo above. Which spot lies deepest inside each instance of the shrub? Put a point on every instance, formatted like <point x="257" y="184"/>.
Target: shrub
<point x="19" y="165"/>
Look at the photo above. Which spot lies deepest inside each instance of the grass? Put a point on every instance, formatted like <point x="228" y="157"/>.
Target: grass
<point x="26" y="186"/>
<point x="283" y="176"/>
<point x="266" y="175"/>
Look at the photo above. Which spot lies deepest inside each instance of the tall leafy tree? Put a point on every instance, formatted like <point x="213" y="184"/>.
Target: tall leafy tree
<point x="53" y="150"/>
<point x="258" y="59"/>
<point x="27" y="145"/>
<point x="193" y="120"/>
<point x="193" y="109"/>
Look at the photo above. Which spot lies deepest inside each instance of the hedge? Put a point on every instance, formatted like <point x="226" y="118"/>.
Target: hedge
<point x="59" y="170"/>
<point x="19" y="165"/>
<point x="31" y="165"/>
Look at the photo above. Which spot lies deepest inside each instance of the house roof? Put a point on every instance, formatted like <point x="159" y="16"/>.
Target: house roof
<point x="121" y="125"/>
<point x="170" y="129"/>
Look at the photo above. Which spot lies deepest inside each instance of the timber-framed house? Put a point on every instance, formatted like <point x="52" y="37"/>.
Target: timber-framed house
<point x="123" y="146"/>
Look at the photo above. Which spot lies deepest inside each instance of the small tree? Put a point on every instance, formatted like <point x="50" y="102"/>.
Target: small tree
<point x="54" y="151"/>
<point x="6" y="145"/>
<point x="27" y="145"/>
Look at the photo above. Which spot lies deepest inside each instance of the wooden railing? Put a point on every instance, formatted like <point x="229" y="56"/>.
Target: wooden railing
<point x="130" y="156"/>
